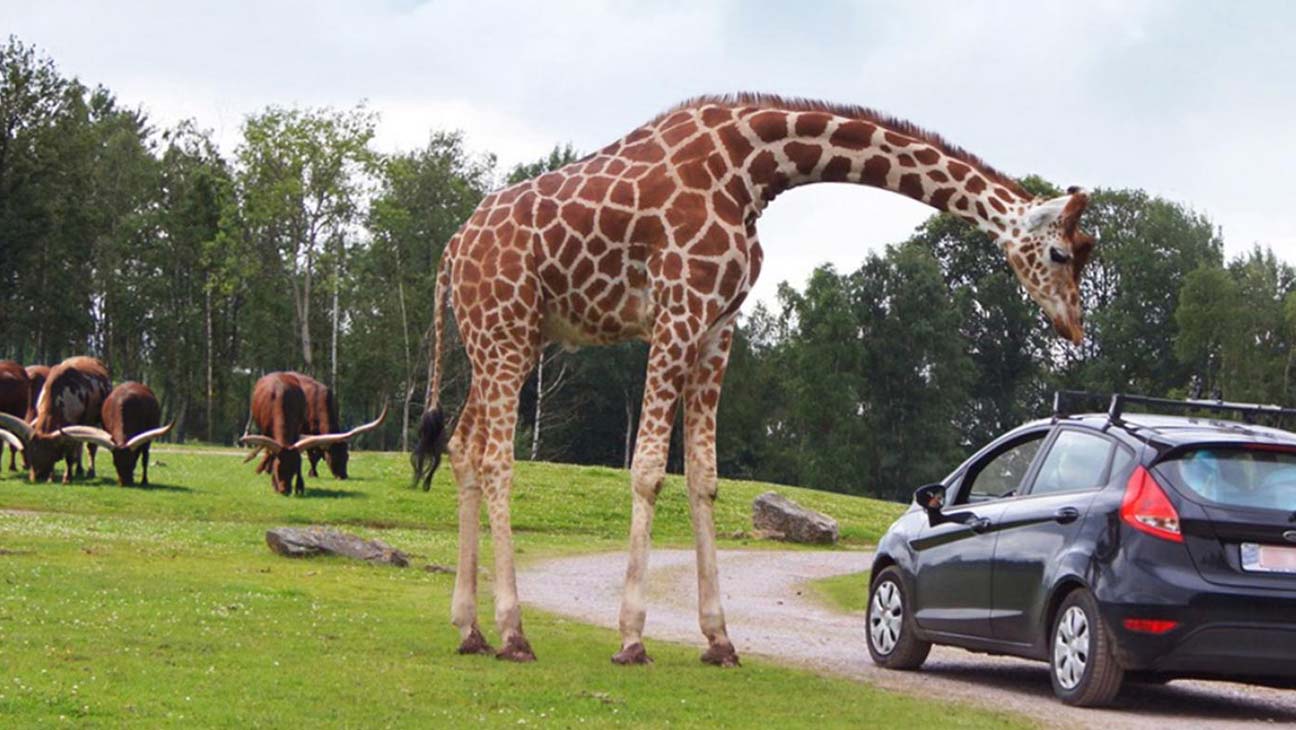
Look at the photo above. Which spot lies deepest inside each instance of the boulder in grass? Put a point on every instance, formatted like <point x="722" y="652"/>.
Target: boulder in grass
<point x="304" y="542"/>
<point x="774" y="513"/>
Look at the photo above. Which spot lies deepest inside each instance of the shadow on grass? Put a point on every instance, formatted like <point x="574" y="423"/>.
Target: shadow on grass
<point x="333" y="493"/>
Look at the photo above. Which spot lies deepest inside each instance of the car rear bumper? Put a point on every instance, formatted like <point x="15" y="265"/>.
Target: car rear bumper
<point x="1219" y="632"/>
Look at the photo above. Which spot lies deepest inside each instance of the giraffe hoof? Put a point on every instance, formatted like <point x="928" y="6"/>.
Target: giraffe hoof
<point x="721" y="655"/>
<point x="633" y="654"/>
<point x="475" y="643"/>
<point x="516" y="649"/>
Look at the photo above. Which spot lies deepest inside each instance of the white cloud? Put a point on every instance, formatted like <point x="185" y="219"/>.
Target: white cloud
<point x="1188" y="101"/>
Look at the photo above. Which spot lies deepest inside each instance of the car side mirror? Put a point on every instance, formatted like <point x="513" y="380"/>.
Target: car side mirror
<point x="931" y="498"/>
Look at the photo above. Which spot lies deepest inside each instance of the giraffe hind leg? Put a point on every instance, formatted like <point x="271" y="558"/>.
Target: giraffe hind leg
<point x="465" y="451"/>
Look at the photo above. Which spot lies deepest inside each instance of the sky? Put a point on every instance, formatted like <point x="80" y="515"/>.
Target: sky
<point x="1192" y="101"/>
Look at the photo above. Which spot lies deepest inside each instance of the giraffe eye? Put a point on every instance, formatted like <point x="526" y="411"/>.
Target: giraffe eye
<point x="1058" y="255"/>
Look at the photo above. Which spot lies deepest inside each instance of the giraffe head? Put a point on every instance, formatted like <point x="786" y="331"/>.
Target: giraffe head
<point x="1048" y="252"/>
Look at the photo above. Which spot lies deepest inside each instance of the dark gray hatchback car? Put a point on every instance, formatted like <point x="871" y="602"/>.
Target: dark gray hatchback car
<point x="1111" y="545"/>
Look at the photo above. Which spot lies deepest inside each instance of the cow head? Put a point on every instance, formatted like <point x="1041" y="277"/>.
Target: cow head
<point x="42" y="450"/>
<point x="125" y="456"/>
<point x="284" y="461"/>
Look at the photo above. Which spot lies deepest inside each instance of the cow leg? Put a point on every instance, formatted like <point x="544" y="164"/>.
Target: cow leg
<point x="144" y="455"/>
<point x="465" y="459"/>
<point x="93" y="449"/>
<point x="13" y="457"/>
<point x="314" y="456"/>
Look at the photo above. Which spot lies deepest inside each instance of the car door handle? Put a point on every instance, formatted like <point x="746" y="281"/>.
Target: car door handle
<point x="979" y="525"/>
<point x="1066" y="515"/>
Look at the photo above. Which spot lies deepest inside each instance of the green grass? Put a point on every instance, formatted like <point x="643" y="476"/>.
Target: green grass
<point x="845" y="593"/>
<point x="162" y="607"/>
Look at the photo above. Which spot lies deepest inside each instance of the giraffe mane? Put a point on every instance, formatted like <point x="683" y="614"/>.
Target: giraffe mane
<point x="851" y="111"/>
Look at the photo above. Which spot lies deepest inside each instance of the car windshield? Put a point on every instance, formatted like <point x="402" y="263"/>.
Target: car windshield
<point x="1236" y="477"/>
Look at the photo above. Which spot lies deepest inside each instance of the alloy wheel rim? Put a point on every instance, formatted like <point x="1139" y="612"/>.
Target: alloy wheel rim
<point x="1071" y="647"/>
<point x="886" y="616"/>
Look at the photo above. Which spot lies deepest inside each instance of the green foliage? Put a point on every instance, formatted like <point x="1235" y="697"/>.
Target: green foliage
<point x="196" y="273"/>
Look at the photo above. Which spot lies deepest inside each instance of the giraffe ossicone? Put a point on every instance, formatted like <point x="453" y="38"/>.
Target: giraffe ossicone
<point x="654" y="238"/>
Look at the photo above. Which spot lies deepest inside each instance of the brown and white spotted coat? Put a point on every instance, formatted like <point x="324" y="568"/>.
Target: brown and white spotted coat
<point x="654" y="237"/>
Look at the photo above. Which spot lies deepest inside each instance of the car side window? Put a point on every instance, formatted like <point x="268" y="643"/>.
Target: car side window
<point x="1120" y="463"/>
<point x="1077" y="460"/>
<point x="1003" y="474"/>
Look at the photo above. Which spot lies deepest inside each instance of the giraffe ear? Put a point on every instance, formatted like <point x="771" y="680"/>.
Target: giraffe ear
<point x="1046" y="212"/>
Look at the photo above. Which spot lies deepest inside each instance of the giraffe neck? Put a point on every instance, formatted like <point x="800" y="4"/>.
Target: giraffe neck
<point x="794" y="148"/>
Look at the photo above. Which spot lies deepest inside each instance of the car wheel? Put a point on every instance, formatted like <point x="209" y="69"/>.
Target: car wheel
<point x="1083" y="667"/>
<point x="892" y="641"/>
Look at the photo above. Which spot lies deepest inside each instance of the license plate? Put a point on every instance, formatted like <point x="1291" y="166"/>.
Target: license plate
<point x="1268" y="558"/>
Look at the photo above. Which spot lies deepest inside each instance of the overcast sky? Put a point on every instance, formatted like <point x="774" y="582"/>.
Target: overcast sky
<point x="1194" y="101"/>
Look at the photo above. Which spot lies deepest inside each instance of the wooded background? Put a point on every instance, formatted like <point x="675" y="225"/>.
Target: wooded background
<point x="197" y="271"/>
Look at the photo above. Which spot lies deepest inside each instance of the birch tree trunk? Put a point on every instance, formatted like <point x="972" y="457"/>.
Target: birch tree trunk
<point x="211" y="389"/>
<point x="337" y="284"/>
<point x="629" y="431"/>
<point x="535" y="430"/>
<point x="409" y="368"/>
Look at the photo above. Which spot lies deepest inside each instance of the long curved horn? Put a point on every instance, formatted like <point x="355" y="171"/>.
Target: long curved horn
<point x="144" y="437"/>
<point x="328" y="439"/>
<point x="260" y="441"/>
<point x="252" y="454"/>
<point x="89" y="435"/>
<point x="14" y="442"/>
<point x="17" y="426"/>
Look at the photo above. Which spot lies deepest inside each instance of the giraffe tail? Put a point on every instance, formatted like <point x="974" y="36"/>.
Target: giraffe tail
<point x="432" y="433"/>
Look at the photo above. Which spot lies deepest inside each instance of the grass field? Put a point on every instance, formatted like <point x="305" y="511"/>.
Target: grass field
<point x="161" y="607"/>
<point x="845" y="593"/>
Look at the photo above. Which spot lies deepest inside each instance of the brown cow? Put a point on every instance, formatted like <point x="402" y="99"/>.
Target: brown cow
<point x="131" y="415"/>
<point x="279" y="410"/>
<point x="14" y="394"/>
<point x="73" y="396"/>
<point x="322" y="418"/>
<point x="36" y="376"/>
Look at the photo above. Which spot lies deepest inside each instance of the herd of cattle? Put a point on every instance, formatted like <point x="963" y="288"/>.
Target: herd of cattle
<point x="47" y="414"/>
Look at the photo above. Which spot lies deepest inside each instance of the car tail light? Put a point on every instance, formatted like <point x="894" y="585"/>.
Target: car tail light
<point x="1147" y="509"/>
<point x="1150" y="625"/>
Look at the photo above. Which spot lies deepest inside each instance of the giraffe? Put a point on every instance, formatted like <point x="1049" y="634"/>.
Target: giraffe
<point x="654" y="237"/>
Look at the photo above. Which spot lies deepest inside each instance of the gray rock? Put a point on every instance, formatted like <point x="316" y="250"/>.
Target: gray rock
<point x="304" y="542"/>
<point x="774" y="513"/>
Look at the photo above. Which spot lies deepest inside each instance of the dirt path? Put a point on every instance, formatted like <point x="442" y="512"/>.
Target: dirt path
<point x="771" y="614"/>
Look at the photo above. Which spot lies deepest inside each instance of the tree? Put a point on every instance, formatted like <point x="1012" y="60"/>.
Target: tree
<point x="422" y="199"/>
<point x="300" y="179"/>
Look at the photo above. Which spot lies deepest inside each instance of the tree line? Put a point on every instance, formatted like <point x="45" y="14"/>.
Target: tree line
<point x="197" y="270"/>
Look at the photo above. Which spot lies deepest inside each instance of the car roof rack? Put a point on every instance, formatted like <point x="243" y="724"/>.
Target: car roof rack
<point x="1116" y="406"/>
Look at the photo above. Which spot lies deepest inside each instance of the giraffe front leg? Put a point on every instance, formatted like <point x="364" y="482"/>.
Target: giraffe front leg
<point x="662" y="386"/>
<point x="646" y="475"/>
<point x="702" y="399"/>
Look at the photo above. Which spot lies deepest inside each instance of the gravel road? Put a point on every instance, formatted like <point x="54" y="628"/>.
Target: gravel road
<point x="770" y="614"/>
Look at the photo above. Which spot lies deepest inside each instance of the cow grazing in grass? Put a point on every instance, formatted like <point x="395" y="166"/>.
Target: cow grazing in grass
<point x="131" y="416"/>
<point x="73" y="396"/>
<point x="36" y="377"/>
<point x="322" y="418"/>
<point x="280" y="411"/>
<point x="14" y="388"/>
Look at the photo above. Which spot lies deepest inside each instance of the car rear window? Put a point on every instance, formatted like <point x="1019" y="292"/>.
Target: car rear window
<point x="1236" y="476"/>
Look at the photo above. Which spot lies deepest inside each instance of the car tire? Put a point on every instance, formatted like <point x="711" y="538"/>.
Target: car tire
<point x="1082" y="663"/>
<point x="892" y="641"/>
